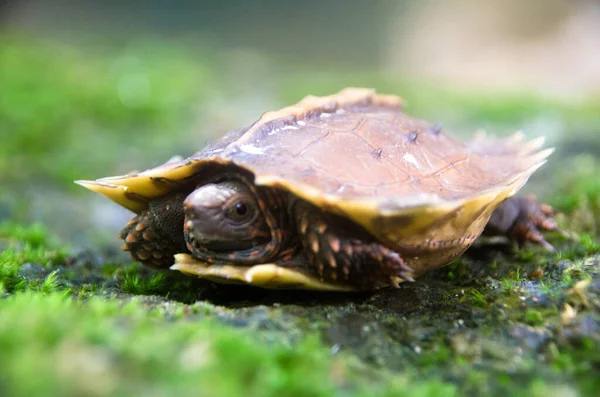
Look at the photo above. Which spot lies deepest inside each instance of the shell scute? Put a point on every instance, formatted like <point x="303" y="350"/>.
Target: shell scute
<point x="354" y="151"/>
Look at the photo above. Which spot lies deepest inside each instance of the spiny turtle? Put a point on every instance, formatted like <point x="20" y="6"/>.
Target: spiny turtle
<point x="342" y="192"/>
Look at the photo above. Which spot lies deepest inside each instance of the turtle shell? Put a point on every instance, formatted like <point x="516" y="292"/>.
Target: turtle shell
<point x="357" y="154"/>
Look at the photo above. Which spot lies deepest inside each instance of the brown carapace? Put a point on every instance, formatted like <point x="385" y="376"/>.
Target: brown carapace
<point x="346" y="192"/>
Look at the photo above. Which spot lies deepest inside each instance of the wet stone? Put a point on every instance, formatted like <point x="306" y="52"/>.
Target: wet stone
<point x="349" y="331"/>
<point x="584" y="326"/>
<point x="33" y="270"/>
<point x="531" y="338"/>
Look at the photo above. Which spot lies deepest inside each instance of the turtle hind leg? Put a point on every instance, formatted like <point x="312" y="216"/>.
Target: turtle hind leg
<point x="155" y="235"/>
<point x="342" y="252"/>
<point x="522" y="219"/>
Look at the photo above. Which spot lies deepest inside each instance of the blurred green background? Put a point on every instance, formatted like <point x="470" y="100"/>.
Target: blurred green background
<point x="97" y="88"/>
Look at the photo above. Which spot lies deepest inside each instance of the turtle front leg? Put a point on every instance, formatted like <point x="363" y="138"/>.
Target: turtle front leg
<point x="522" y="219"/>
<point x="155" y="235"/>
<point x="342" y="251"/>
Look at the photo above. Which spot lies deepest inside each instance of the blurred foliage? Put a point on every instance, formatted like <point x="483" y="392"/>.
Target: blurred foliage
<point x="578" y="195"/>
<point x="465" y="106"/>
<point x="67" y="112"/>
<point x="70" y="110"/>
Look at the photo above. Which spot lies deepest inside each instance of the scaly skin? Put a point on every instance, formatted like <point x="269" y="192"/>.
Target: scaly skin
<point x="342" y="252"/>
<point x="156" y="234"/>
<point x="338" y="250"/>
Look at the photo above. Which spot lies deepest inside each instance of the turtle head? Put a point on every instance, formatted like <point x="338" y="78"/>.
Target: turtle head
<point x="223" y="221"/>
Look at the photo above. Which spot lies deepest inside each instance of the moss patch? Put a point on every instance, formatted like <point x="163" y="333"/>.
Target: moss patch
<point x="123" y="329"/>
<point x="103" y="346"/>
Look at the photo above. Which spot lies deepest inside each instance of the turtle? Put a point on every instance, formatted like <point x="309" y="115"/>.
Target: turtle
<point x="344" y="192"/>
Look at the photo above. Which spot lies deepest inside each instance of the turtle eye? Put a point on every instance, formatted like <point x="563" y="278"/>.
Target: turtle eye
<point x="240" y="211"/>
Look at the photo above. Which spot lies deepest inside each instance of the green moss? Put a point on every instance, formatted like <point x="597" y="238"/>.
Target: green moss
<point x="458" y="269"/>
<point x="31" y="243"/>
<point x="578" y="361"/>
<point x="28" y="245"/>
<point x="9" y="270"/>
<point x="534" y="317"/>
<point x="545" y="287"/>
<point x="516" y="275"/>
<point x="478" y="299"/>
<point x="110" y="347"/>
<point x="507" y="285"/>
<point x="35" y="235"/>
<point x="590" y="245"/>
<point x="11" y="261"/>
<point x="133" y="283"/>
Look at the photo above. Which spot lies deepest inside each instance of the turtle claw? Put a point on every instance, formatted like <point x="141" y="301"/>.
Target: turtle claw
<point x="534" y="218"/>
<point x="530" y="233"/>
<point x="406" y="277"/>
<point x="404" y="271"/>
<point x="522" y="219"/>
<point x="394" y="282"/>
